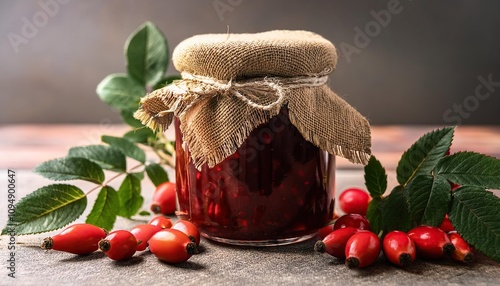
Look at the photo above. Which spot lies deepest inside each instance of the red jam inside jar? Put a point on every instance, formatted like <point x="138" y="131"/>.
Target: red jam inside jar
<point x="277" y="188"/>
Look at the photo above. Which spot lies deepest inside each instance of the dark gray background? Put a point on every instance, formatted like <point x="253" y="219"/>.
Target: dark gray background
<point x="423" y="62"/>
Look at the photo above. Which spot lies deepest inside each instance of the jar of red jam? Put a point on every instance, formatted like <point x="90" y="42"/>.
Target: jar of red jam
<point x="277" y="188"/>
<point x="257" y="133"/>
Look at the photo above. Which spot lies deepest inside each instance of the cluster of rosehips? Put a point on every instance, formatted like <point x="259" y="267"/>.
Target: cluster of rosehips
<point x="350" y="238"/>
<point x="172" y="243"/>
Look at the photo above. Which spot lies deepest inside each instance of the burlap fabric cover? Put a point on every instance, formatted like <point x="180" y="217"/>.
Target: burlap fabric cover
<point x="233" y="83"/>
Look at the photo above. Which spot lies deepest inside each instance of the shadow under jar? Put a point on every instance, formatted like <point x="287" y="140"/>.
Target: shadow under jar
<point x="277" y="188"/>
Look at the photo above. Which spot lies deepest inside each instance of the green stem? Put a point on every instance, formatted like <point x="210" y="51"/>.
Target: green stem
<point x="113" y="178"/>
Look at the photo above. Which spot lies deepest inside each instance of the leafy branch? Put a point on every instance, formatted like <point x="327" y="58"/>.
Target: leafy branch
<point x="54" y="206"/>
<point x="424" y="195"/>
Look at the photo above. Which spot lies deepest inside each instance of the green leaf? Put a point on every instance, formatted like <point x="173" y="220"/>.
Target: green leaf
<point x="144" y="213"/>
<point x="165" y="81"/>
<point x="69" y="168"/>
<point x="120" y="92"/>
<point x="429" y="199"/>
<point x="138" y="175"/>
<point x="107" y="157"/>
<point x="374" y="214"/>
<point x="128" y="148"/>
<point x="375" y="178"/>
<point x="105" y="209"/>
<point x="396" y="214"/>
<point x="140" y="135"/>
<point x="424" y="154"/>
<point x="147" y="54"/>
<point x="128" y="117"/>
<point x="156" y="173"/>
<point x="130" y="197"/>
<point x="46" y="209"/>
<point x="470" y="169"/>
<point x="475" y="215"/>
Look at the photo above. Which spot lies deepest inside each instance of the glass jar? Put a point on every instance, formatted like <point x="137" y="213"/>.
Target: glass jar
<point x="277" y="188"/>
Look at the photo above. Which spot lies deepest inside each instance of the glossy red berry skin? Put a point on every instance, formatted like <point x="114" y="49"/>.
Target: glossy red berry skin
<point x="352" y="220"/>
<point x="172" y="246"/>
<point x="324" y="231"/>
<point x="398" y="248"/>
<point x="354" y="201"/>
<point x="78" y="239"/>
<point x="335" y="242"/>
<point x="164" y="199"/>
<point x="143" y="232"/>
<point x="161" y="221"/>
<point x="119" y="245"/>
<point x="362" y="249"/>
<point x="431" y="242"/>
<point x="463" y="251"/>
<point x="189" y="229"/>
<point x="446" y="225"/>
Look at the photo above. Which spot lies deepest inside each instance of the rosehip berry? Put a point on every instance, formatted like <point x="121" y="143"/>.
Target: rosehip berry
<point x="143" y="232"/>
<point x="189" y="229"/>
<point x="78" y="239"/>
<point x="172" y="246"/>
<point x="352" y="220"/>
<point x="362" y="249"/>
<point x="164" y="199"/>
<point x="431" y="242"/>
<point x="119" y="245"/>
<point x="354" y="201"/>
<point x="463" y="251"/>
<point x="446" y="225"/>
<point x="161" y="221"/>
<point x="335" y="242"/>
<point x="324" y="231"/>
<point x="399" y="248"/>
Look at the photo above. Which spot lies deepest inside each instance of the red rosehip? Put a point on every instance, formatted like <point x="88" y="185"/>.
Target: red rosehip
<point x="352" y="220"/>
<point x="362" y="249"/>
<point x="143" y="232"/>
<point x="399" y="248"/>
<point x="189" y="229"/>
<point x="463" y="251"/>
<point x="81" y="238"/>
<point x="164" y="199"/>
<point x="335" y="242"/>
<point x="161" y="221"/>
<point x="172" y="246"/>
<point x="119" y="245"/>
<point x="431" y="242"/>
<point x="446" y="225"/>
<point x="324" y="231"/>
<point x="354" y="201"/>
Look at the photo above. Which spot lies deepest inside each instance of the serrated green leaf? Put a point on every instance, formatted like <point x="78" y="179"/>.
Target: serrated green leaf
<point x="107" y="157"/>
<point x="46" y="209"/>
<point x="429" y="199"/>
<point x="165" y="81"/>
<point x="130" y="197"/>
<point x="375" y="178"/>
<point x="128" y="118"/>
<point x="475" y="215"/>
<point x="105" y="209"/>
<point x="470" y="169"/>
<point x="396" y="215"/>
<point x="156" y="173"/>
<point x="424" y="154"/>
<point x="69" y="168"/>
<point x="140" y="135"/>
<point x="374" y="214"/>
<point x="120" y="92"/>
<point x="128" y="148"/>
<point x="147" y="54"/>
